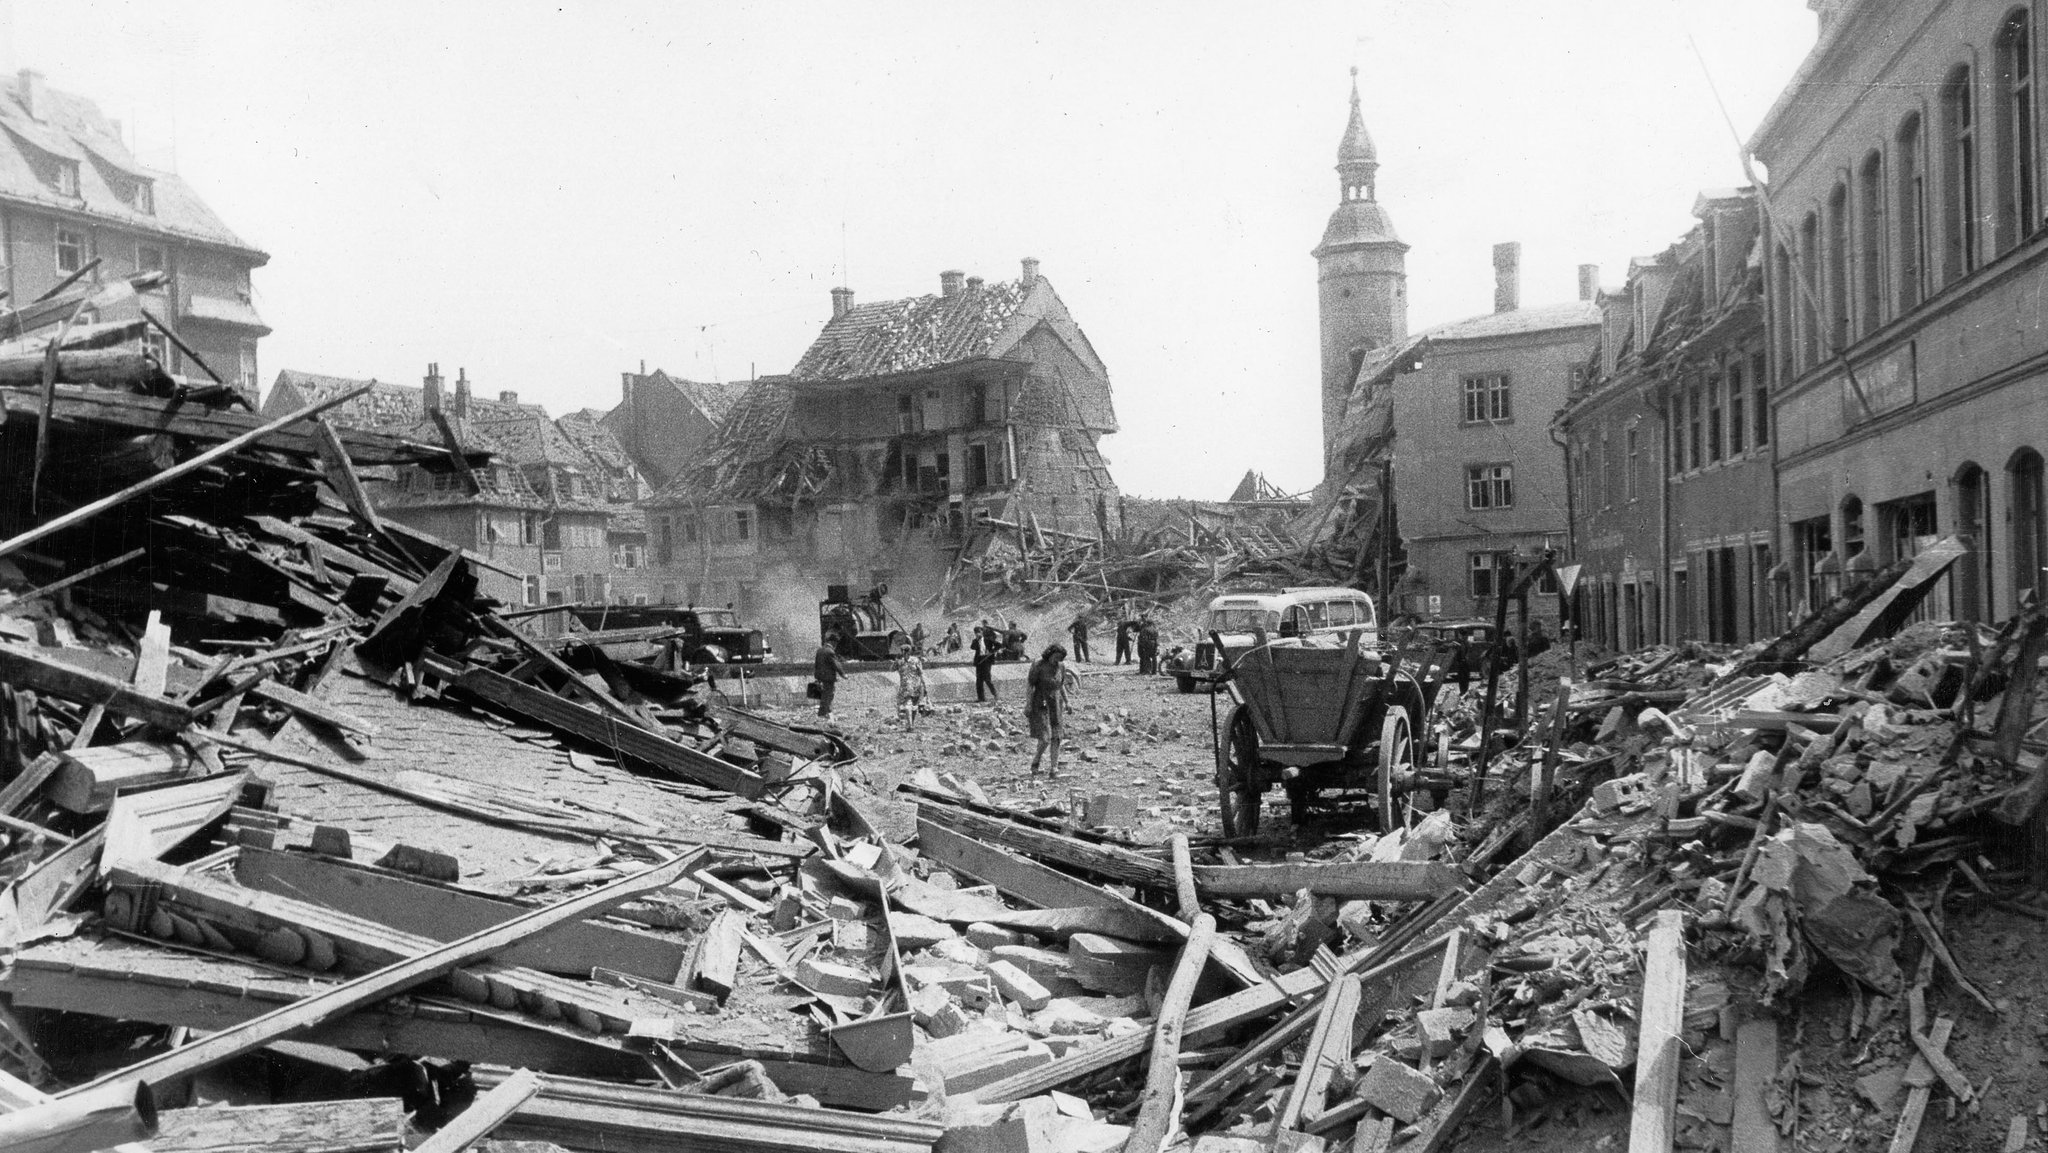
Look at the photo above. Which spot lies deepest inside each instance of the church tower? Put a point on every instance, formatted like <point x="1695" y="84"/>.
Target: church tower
<point x="1361" y="271"/>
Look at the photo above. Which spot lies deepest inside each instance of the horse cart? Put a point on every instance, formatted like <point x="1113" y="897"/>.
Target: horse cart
<point x="1323" y="720"/>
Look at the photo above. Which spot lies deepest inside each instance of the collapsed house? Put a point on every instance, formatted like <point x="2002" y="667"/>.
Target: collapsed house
<point x="880" y="457"/>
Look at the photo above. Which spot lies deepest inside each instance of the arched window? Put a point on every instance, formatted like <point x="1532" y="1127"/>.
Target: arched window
<point x="1808" y="287"/>
<point x="1870" y="239"/>
<point x="2027" y="529"/>
<point x="1973" y="524"/>
<point x="1838" y="269"/>
<point x="1959" y="175"/>
<point x="1911" y="168"/>
<point x="1852" y="526"/>
<point x="2018" y="208"/>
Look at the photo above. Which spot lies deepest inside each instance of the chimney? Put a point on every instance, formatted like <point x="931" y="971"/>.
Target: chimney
<point x="507" y="396"/>
<point x="974" y="284"/>
<point x="431" y="389"/>
<point x="1589" y="281"/>
<point x="461" y="394"/>
<point x="949" y="282"/>
<point x="1030" y="271"/>
<point x="1507" y="276"/>
<point x="842" y="302"/>
<point x="626" y="386"/>
<point x="28" y="89"/>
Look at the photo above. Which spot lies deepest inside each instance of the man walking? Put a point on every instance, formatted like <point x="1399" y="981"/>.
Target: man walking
<point x="1123" y="641"/>
<point x="985" y="643"/>
<point x="825" y="669"/>
<point x="1079" y="631"/>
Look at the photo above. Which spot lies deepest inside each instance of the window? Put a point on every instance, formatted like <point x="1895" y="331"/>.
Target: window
<point x="1852" y="526"/>
<point x="742" y="524"/>
<point x="977" y="466"/>
<point x="1912" y="199"/>
<point x="1490" y="486"/>
<point x="1694" y="423"/>
<point x="1975" y="585"/>
<point x="1737" y="432"/>
<point x="664" y="540"/>
<point x="2029" y="530"/>
<point x="70" y="250"/>
<point x="2018" y="212"/>
<point x="1481" y="573"/>
<point x="1783" y="292"/>
<point x="1838" y="269"/>
<point x="150" y="258"/>
<point x="1606" y="470"/>
<point x="145" y="197"/>
<point x="157" y="346"/>
<point x="529" y="529"/>
<point x="1486" y="398"/>
<point x="247" y="376"/>
<point x="977" y="403"/>
<point x="530" y="593"/>
<point x="906" y="413"/>
<point x="581" y="584"/>
<point x="1714" y="441"/>
<point x="1761" y="410"/>
<point x="691" y="531"/>
<point x="1870" y="234"/>
<point x="1632" y="479"/>
<point x="1959" y="176"/>
<point x="1807" y="286"/>
<point x="67" y="178"/>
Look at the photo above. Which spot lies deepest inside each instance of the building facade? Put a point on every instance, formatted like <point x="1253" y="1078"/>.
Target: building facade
<point x="71" y="195"/>
<point x="553" y="516"/>
<point x="1475" y="469"/>
<point x="1906" y="263"/>
<point x="880" y="458"/>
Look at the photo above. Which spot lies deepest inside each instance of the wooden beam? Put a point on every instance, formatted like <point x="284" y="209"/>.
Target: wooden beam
<point x="1188" y="903"/>
<point x="1920" y="1076"/>
<point x="31" y="668"/>
<point x="119" y="409"/>
<point x="1107" y="861"/>
<point x="1756" y="1067"/>
<point x="177" y="471"/>
<point x="1360" y="880"/>
<point x="484" y="1114"/>
<point x="1158" y="1105"/>
<point x="545" y="708"/>
<point x="307" y="705"/>
<point x="715" y="961"/>
<point x="81" y="1122"/>
<point x="1222" y="1013"/>
<point x="442" y="912"/>
<point x="249" y="1036"/>
<point x="146" y="823"/>
<point x="153" y="657"/>
<point x="1328" y="1046"/>
<point x="634" y="1119"/>
<point x="1662" y="1016"/>
<point x="1028" y="881"/>
<point x="88" y="779"/>
<point x="356" y="1125"/>
<point x="16" y="1095"/>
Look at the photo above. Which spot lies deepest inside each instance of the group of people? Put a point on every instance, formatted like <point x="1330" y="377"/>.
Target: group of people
<point x="1141" y="632"/>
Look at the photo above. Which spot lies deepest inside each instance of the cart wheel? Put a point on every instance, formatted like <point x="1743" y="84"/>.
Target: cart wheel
<point x="1397" y="761"/>
<point x="1236" y="773"/>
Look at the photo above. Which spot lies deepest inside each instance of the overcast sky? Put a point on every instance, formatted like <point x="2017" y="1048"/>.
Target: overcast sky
<point x="549" y="194"/>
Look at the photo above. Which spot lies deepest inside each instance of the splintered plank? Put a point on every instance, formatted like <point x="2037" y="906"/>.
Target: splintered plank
<point x="1028" y="881"/>
<point x="307" y="705"/>
<point x="360" y="1125"/>
<point x="88" y="779"/>
<point x="440" y="911"/>
<point x="30" y="668"/>
<point x="143" y="824"/>
<point x="484" y="1114"/>
<point x="1360" y="880"/>
<point x="1158" y="1106"/>
<point x="1657" y="1046"/>
<point x="715" y="960"/>
<point x="387" y="981"/>
<point x="545" y="708"/>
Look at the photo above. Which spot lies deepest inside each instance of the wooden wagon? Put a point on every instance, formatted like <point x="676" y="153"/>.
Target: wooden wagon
<point x="1322" y="720"/>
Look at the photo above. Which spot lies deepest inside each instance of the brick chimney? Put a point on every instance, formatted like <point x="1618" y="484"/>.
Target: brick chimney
<point x="949" y="282"/>
<point x="430" y="389"/>
<point x="842" y="302"/>
<point x="1030" y="271"/>
<point x="507" y="396"/>
<point x="1589" y="281"/>
<point x="1507" y="276"/>
<point x="974" y="284"/>
<point x="28" y="89"/>
<point x="461" y="394"/>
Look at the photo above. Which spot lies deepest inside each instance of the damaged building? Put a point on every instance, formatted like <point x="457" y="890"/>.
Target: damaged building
<point x="883" y="455"/>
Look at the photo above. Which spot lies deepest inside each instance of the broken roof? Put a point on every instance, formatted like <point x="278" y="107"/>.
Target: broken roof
<point x="71" y="129"/>
<point x="916" y="333"/>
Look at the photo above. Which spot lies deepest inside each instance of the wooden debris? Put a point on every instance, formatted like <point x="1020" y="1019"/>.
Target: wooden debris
<point x="484" y="1114"/>
<point x="1658" y="1051"/>
<point x="1158" y="1104"/>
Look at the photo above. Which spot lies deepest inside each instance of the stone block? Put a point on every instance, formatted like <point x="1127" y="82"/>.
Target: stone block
<point x="1044" y="965"/>
<point x="986" y="1066"/>
<point x="989" y="936"/>
<point x="916" y="932"/>
<point x="1398" y="1090"/>
<point x="834" y="977"/>
<point x="1439" y="1029"/>
<point x="1017" y="985"/>
<point x="1111" y="811"/>
<point x="1027" y="1126"/>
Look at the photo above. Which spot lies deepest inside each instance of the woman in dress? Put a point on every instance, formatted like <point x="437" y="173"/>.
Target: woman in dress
<point x="910" y="688"/>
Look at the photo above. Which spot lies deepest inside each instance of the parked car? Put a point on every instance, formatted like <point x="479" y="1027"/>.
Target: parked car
<point x="1244" y="620"/>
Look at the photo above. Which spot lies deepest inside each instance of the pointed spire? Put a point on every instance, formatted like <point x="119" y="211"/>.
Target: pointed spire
<point x="1357" y="144"/>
